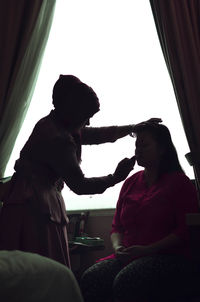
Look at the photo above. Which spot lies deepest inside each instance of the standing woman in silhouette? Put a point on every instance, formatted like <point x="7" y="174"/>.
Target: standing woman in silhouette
<point x="33" y="217"/>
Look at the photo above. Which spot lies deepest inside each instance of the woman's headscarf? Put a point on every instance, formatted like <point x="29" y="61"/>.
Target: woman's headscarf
<point x="74" y="96"/>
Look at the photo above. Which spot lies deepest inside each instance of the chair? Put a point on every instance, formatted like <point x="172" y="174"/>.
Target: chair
<point x="77" y="225"/>
<point x="80" y="244"/>
<point x="79" y="240"/>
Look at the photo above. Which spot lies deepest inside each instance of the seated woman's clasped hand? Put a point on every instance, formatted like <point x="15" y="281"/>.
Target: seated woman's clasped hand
<point x="125" y="254"/>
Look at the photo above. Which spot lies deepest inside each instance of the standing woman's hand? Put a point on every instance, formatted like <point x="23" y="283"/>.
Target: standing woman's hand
<point x="153" y="120"/>
<point x="124" y="167"/>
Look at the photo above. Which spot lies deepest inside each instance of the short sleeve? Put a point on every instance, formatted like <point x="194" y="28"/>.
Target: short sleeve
<point x="117" y="226"/>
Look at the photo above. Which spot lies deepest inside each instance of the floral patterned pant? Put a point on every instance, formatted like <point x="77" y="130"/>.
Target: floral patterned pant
<point x="152" y="278"/>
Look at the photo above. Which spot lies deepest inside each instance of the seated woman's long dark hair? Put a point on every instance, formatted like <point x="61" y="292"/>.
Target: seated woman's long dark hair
<point x="169" y="161"/>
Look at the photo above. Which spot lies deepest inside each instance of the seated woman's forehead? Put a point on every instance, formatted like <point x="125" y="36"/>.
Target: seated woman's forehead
<point x="145" y="136"/>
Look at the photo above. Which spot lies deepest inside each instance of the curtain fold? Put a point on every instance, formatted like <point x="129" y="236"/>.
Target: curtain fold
<point x="178" y="28"/>
<point x="24" y="31"/>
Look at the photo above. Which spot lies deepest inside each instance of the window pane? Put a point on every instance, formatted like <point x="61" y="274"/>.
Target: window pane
<point x="112" y="46"/>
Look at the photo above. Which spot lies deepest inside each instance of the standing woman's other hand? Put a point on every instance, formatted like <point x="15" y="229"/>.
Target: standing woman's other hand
<point x="124" y="167"/>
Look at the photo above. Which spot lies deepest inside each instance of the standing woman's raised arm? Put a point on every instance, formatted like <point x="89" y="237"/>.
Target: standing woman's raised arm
<point x="100" y="135"/>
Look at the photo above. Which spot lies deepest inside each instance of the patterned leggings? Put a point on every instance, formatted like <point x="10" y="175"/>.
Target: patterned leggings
<point x="151" y="278"/>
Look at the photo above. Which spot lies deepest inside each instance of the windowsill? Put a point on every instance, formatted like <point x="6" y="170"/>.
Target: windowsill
<point x="96" y="212"/>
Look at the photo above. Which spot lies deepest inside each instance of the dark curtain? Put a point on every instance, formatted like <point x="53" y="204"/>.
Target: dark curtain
<point x="24" y="30"/>
<point x="178" y="27"/>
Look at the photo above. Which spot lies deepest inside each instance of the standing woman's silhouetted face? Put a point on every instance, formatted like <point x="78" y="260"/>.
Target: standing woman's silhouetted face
<point x="80" y="124"/>
<point x="148" y="152"/>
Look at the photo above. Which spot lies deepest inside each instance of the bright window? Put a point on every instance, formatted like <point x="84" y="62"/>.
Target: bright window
<point x="112" y="45"/>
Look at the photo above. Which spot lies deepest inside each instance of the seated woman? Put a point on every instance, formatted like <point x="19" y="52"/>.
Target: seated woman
<point x="151" y="259"/>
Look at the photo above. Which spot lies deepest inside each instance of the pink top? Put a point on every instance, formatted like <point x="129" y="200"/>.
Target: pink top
<point x="146" y="215"/>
